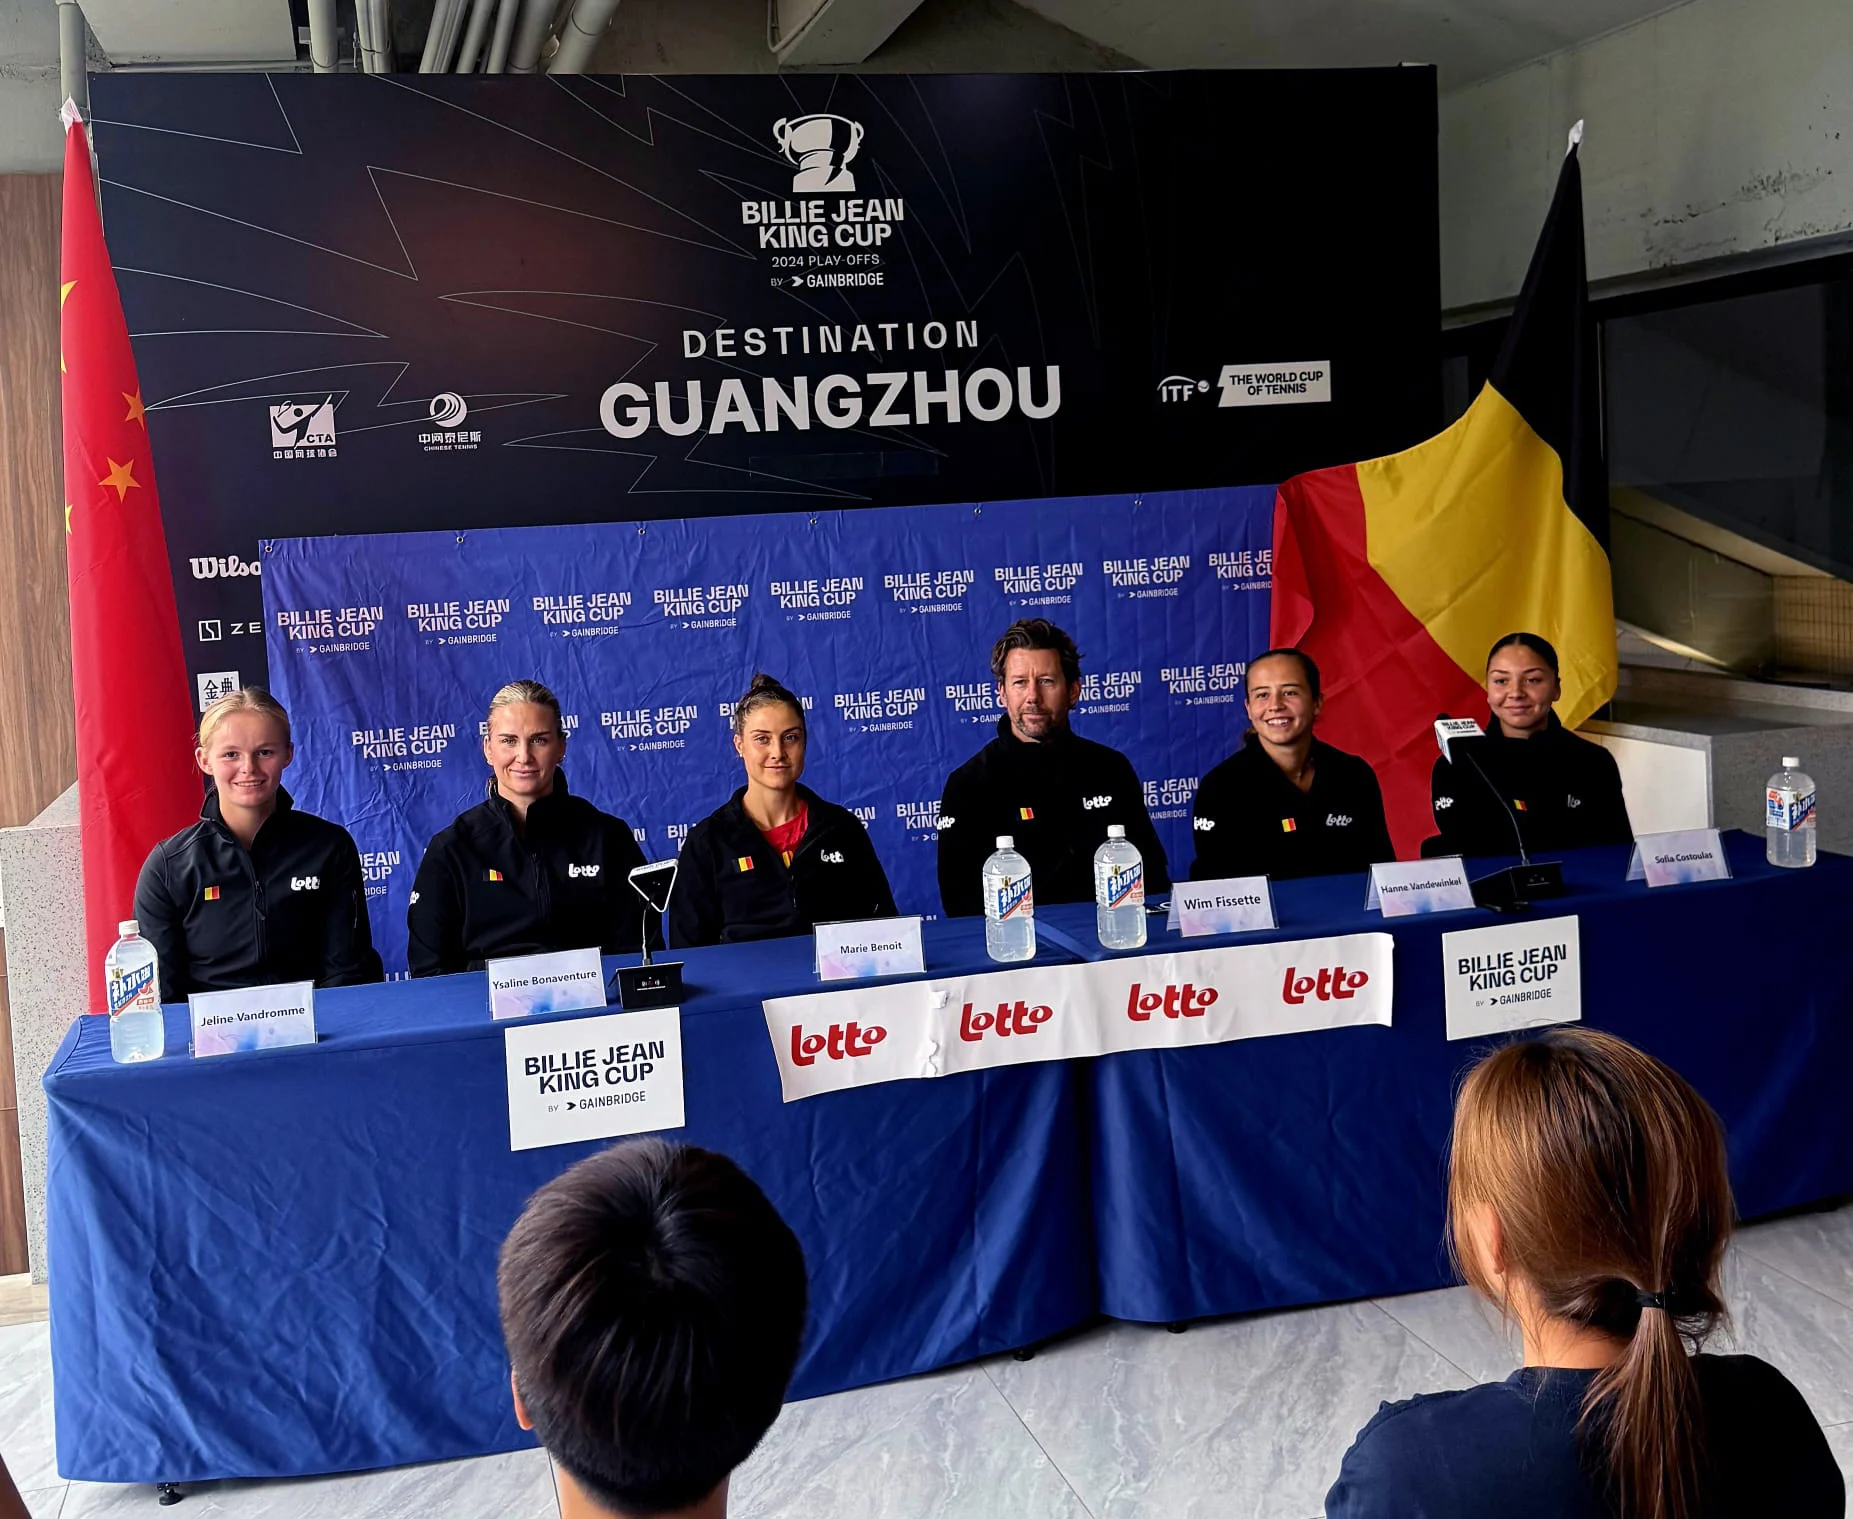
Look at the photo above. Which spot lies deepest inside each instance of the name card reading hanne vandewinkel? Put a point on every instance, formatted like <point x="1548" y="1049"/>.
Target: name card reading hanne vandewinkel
<point x="1238" y="905"/>
<point x="567" y="981"/>
<point x="871" y="947"/>
<point x="1401" y="888"/>
<point x="253" y="1018"/>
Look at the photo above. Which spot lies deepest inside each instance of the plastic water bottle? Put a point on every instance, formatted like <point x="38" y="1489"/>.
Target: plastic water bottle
<point x="1119" y="891"/>
<point x="1788" y="825"/>
<point x="132" y="976"/>
<point x="1009" y="904"/>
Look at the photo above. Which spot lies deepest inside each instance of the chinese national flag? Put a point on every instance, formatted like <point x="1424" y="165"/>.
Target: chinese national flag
<point x="136" y="779"/>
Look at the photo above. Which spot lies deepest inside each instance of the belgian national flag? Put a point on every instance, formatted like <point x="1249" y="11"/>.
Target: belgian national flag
<point x="1398" y="574"/>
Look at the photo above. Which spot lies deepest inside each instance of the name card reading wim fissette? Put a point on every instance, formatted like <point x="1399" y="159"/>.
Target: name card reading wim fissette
<point x="253" y="1018"/>
<point x="1680" y="857"/>
<point x="1512" y="976"/>
<point x="1401" y="888"/>
<point x="594" y="1078"/>
<point x="566" y="981"/>
<point x="1238" y="905"/>
<point x="871" y="947"/>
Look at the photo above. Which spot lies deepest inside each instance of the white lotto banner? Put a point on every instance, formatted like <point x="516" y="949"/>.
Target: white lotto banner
<point x="826" y="1041"/>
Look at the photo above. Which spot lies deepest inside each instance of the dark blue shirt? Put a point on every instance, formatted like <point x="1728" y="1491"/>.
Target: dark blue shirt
<point x="1511" y="1449"/>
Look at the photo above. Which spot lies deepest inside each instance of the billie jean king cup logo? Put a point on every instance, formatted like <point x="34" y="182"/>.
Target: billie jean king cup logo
<point x="821" y="146"/>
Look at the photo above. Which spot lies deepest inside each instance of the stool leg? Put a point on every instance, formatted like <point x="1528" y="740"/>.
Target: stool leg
<point x="1177" y="1326"/>
<point x="169" y="1494"/>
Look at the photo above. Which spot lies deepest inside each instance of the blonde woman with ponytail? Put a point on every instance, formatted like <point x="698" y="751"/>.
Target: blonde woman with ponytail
<point x="1589" y="1201"/>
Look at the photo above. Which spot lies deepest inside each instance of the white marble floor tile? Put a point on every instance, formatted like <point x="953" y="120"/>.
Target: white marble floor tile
<point x="1816" y="1248"/>
<point x="942" y="1446"/>
<point x="514" y="1486"/>
<point x="44" y="1502"/>
<point x="25" y="1407"/>
<point x="1244" y="1416"/>
<point x="1460" y="1325"/>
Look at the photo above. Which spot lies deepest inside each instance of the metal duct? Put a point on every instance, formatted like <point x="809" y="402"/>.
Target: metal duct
<point x="585" y="27"/>
<point x="324" y="37"/>
<point x="530" y="36"/>
<point x="73" y="66"/>
<point x="504" y="35"/>
<point x="480" y="13"/>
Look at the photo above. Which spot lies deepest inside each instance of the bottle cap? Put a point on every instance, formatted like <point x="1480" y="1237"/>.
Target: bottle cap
<point x="127" y="927"/>
<point x="1005" y="841"/>
<point x="1790" y="762"/>
<point x="1116" y="830"/>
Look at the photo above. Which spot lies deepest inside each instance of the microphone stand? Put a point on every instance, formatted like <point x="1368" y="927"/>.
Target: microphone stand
<point x="1511" y="889"/>
<point x="649" y="984"/>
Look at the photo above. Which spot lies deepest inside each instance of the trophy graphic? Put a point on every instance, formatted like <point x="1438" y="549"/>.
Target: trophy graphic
<point x="821" y="147"/>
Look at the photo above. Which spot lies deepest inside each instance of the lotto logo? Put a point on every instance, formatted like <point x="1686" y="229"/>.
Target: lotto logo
<point x="1337" y="820"/>
<point x="1095" y="803"/>
<point x="1330" y="983"/>
<point x="305" y="883"/>
<point x="945" y="823"/>
<point x="1010" y="1018"/>
<point x="832" y="857"/>
<point x="1443" y="803"/>
<point x="1203" y="825"/>
<point x="842" y="1042"/>
<point x="574" y="872"/>
<point x="1184" y="1001"/>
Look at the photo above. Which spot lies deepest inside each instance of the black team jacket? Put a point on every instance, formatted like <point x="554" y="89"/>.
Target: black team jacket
<point x="292" y="909"/>
<point x="1055" y="799"/>
<point x="733" y="887"/>
<point x="1250" y="820"/>
<point x="1564" y="791"/>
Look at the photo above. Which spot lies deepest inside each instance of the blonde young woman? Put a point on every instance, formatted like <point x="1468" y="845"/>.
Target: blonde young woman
<point x="255" y="892"/>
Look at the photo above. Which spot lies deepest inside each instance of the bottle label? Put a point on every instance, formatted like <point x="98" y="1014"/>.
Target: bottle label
<point x="127" y="987"/>
<point x="1789" y="809"/>
<point x="1013" y="899"/>
<point x="1125" y="886"/>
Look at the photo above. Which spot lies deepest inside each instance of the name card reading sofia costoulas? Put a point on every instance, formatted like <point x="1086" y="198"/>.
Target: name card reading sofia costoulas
<point x="1680" y="857"/>
<point x="567" y="981"/>
<point x="1402" y="888"/>
<point x="869" y="947"/>
<point x="594" y="1078"/>
<point x="1238" y="905"/>
<point x="253" y="1018"/>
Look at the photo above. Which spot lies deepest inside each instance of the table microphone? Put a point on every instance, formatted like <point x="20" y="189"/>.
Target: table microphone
<point x="647" y="984"/>
<point x="1507" y="890"/>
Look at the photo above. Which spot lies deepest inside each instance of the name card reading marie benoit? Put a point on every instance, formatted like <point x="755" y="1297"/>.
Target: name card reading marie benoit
<point x="566" y="981"/>
<point x="594" y="1078"/>
<point x="1239" y="905"/>
<point x="869" y="947"/>
<point x="1680" y="857"/>
<point x="1512" y="976"/>
<point x="1401" y="888"/>
<point x="253" y="1018"/>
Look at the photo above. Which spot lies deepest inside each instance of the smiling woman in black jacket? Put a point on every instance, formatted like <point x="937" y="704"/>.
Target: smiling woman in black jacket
<point x="255" y="892"/>
<point x="777" y="858"/>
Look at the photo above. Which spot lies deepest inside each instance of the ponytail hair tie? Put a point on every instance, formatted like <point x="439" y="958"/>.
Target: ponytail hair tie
<point x="1651" y="1300"/>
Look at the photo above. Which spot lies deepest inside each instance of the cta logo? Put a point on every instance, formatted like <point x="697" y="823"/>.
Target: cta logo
<point x="305" y="883"/>
<point x="1332" y="983"/>
<point x="1010" y="1018"/>
<point x="303" y="430"/>
<point x="842" y="1041"/>
<point x="228" y="568"/>
<point x="1185" y="1001"/>
<point x="819" y="147"/>
<point x="1180" y="387"/>
<point x="576" y="872"/>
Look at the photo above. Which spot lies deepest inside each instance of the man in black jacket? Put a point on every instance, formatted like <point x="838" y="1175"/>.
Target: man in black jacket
<point x="1052" y="791"/>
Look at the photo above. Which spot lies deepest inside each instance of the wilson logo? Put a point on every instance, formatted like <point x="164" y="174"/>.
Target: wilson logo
<point x="305" y="883"/>
<point x="574" y="872"/>
<point x="1095" y="803"/>
<point x="1185" y="1001"/>
<point x="841" y="1042"/>
<point x="1010" y="1018"/>
<point x="1330" y="984"/>
<point x="229" y="567"/>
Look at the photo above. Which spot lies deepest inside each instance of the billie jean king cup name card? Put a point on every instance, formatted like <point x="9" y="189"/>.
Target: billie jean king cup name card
<point x="594" y="1078"/>
<point x="567" y="981"/>
<point x="1401" y="888"/>
<point x="1512" y="976"/>
<point x="1680" y="857"/>
<point x="869" y="947"/>
<point x="1239" y="905"/>
<point x="253" y="1018"/>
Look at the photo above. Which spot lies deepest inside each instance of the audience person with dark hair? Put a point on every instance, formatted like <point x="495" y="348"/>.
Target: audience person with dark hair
<point x="1589" y="1200"/>
<point x="1563" y="792"/>
<point x="255" y="892"/>
<point x="530" y="869"/>
<point x="1052" y="791"/>
<point x="653" y="1304"/>
<point x="776" y="858"/>
<point x="1287" y="804"/>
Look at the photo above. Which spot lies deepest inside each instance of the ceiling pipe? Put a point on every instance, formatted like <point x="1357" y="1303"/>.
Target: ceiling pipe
<point x="324" y="37"/>
<point x="363" y="37"/>
<point x="585" y="27"/>
<point x="504" y="35"/>
<point x="480" y="13"/>
<point x="441" y="14"/>
<point x="373" y="21"/>
<point x="530" y="36"/>
<point x="73" y="65"/>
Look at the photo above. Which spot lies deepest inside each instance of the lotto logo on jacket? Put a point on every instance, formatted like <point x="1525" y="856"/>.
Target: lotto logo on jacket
<point x="305" y="883"/>
<point x="841" y="1042"/>
<point x="574" y="872"/>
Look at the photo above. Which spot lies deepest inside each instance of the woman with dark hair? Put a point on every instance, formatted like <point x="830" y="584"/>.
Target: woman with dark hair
<point x="777" y="858"/>
<point x="530" y="869"/>
<point x="1589" y="1200"/>
<point x="1285" y="804"/>
<point x="1562" y="791"/>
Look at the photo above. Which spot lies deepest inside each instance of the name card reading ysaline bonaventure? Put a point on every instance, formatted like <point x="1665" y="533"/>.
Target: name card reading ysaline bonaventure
<point x="1680" y="857"/>
<point x="594" y="1078"/>
<point x="1512" y="976"/>
<point x="869" y="947"/>
<point x="1238" y="905"/>
<point x="567" y="981"/>
<point x="1401" y="888"/>
<point x="253" y="1018"/>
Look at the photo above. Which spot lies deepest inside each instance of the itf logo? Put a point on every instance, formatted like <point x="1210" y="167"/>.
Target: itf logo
<point x="303" y="430"/>
<point x="820" y="146"/>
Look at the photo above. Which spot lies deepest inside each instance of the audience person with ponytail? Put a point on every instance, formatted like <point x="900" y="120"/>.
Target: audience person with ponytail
<point x="255" y="892"/>
<point x="776" y="858"/>
<point x="1588" y="1199"/>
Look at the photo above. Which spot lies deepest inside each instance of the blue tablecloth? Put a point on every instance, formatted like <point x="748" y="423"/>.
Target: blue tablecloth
<point x="283" y="1262"/>
<point x="1312" y="1168"/>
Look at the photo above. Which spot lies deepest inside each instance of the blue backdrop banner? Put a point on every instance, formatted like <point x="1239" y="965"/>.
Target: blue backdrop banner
<point x="386" y="650"/>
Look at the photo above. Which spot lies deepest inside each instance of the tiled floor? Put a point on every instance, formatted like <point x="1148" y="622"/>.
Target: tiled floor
<point x="1237" y="1417"/>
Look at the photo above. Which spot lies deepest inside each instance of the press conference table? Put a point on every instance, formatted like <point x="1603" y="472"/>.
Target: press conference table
<point x="282" y="1263"/>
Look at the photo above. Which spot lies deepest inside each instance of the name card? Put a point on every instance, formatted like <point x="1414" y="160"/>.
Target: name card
<point x="1674" y="859"/>
<point x="1239" y="905"/>
<point x="1401" y="888"/>
<point x="594" y="1078"/>
<point x="870" y="947"/>
<point x="253" y="1018"/>
<point x="1512" y="976"/>
<point x="567" y="981"/>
